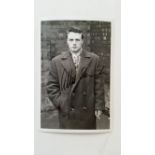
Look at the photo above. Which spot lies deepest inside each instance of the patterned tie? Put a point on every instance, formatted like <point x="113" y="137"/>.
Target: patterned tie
<point x="76" y="60"/>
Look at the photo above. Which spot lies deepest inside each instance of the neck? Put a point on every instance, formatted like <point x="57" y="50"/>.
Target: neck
<point x="77" y="52"/>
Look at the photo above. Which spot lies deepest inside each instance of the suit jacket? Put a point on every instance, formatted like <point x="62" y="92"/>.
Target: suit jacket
<point x="76" y="95"/>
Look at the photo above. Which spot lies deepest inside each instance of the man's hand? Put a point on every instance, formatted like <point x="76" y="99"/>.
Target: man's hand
<point x="98" y="114"/>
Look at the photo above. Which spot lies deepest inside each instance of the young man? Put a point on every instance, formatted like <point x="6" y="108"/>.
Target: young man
<point x="75" y="85"/>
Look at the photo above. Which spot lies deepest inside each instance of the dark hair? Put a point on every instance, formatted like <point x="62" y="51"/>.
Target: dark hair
<point x="76" y="30"/>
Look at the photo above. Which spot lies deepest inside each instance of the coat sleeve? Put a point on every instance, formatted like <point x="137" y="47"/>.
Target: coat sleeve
<point x="53" y="88"/>
<point x="99" y="86"/>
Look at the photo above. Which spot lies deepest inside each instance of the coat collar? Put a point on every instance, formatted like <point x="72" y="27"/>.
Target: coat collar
<point x="68" y="64"/>
<point x="67" y="54"/>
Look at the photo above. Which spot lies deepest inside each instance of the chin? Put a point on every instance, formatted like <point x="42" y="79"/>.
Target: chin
<point x="75" y="50"/>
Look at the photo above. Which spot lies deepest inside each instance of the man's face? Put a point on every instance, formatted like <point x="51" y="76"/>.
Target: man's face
<point x="74" y="41"/>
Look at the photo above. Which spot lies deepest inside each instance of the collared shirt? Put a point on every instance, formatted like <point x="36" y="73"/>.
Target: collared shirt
<point x="76" y="59"/>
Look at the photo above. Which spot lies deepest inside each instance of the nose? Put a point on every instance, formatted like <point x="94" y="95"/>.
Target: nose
<point x="74" y="42"/>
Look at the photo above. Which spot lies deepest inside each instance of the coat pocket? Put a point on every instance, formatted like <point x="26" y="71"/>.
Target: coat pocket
<point x="65" y="100"/>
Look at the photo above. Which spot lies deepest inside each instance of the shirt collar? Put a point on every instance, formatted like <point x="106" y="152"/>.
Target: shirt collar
<point x="76" y="54"/>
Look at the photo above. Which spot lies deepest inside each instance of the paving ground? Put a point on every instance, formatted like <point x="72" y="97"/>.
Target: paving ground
<point x="49" y="120"/>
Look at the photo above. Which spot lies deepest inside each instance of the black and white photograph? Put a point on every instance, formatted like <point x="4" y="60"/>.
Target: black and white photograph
<point x="75" y="74"/>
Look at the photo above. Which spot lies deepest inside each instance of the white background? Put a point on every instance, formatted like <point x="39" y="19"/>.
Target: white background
<point x="80" y="144"/>
<point x="17" y="78"/>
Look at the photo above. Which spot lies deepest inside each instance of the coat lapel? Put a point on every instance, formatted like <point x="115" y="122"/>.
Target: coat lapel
<point x="84" y="63"/>
<point x="68" y="64"/>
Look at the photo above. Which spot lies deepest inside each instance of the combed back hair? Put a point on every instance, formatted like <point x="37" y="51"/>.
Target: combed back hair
<point x="76" y="30"/>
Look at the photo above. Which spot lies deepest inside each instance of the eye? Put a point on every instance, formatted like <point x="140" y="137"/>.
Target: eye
<point x="70" y="39"/>
<point x="77" y="39"/>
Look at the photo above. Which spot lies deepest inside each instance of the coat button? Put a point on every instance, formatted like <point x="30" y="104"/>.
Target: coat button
<point x="84" y="108"/>
<point x="72" y="109"/>
<point x="84" y="93"/>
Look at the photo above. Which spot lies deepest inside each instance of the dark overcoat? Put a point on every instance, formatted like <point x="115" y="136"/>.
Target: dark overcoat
<point x="76" y="95"/>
